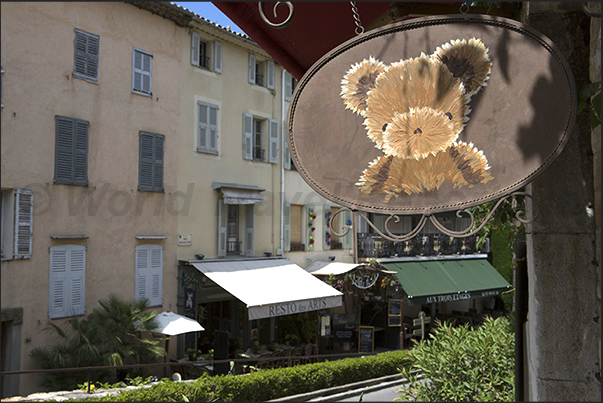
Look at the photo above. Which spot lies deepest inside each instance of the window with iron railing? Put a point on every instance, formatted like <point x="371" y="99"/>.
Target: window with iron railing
<point x="375" y="246"/>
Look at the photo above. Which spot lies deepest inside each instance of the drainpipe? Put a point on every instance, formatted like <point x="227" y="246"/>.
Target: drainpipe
<point x="521" y="315"/>
<point x="283" y="144"/>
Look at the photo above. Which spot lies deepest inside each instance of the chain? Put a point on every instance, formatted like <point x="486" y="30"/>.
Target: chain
<point x="359" y="28"/>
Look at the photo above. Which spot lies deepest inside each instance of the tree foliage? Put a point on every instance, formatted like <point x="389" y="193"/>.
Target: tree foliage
<point x="459" y="363"/>
<point x="110" y="336"/>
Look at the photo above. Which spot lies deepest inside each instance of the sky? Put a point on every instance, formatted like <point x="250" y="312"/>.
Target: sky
<point x="207" y="10"/>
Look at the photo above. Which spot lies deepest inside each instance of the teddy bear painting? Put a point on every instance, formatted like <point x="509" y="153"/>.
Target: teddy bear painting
<point x="414" y="111"/>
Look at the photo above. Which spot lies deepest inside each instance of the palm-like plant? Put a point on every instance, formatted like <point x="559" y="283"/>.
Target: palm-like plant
<point x="110" y="336"/>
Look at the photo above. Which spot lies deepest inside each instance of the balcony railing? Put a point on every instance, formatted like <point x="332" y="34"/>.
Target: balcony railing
<point x="233" y="247"/>
<point x="375" y="246"/>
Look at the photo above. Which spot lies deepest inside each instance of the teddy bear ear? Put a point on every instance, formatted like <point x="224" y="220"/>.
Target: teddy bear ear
<point x="468" y="61"/>
<point x="358" y="81"/>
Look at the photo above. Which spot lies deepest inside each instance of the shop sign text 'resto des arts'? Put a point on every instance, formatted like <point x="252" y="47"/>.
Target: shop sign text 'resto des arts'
<point x="430" y="115"/>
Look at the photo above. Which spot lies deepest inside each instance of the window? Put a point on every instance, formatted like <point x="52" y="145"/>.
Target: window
<point x="141" y="72"/>
<point x="292" y="221"/>
<point x="85" y="64"/>
<point x="71" y="151"/>
<point x="149" y="273"/>
<point x="236" y="235"/>
<point x="255" y="138"/>
<point x="207" y="129"/>
<point x="261" y="72"/>
<point x="289" y="85"/>
<point x="16" y="224"/>
<point x="202" y="51"/>
<point x="67" y="296"/>
<point x="150" y="171"/>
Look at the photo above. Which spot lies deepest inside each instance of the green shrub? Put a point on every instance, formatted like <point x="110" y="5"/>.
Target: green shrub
<point x="463" y="364"/>
<point x="271" y="383"/>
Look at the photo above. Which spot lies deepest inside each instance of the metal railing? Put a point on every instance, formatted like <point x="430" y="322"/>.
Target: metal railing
<point x="375" y="246"/>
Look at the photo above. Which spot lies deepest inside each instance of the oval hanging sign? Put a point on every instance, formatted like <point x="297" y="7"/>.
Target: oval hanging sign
<point x="437" y="114"/>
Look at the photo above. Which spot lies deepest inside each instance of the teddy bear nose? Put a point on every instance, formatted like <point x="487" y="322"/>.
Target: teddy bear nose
<point x="418" y="131"/>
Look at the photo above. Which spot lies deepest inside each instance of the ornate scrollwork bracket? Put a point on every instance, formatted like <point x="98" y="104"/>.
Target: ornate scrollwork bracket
<point x="471" y="229"/>
<point x="281" y="24"/>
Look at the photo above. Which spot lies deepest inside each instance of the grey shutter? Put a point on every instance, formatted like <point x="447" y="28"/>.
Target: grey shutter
<point x="58" y="282"/>
<point x="273" y="144"/>
<point x="143" y="280"/>
<point x="249" y="230"/>
<point x="251" y="68"/>
<point x="86" y="50"/>
<point x="150" y="170"/>
<point x="222" y="225"/>
<point x="213" y="129"/>
<point x="326" y="227"/>
<point x="217" y="56"/>
<point x="247" y="136"/>
<point x="202" y="129"/>
<point x="287" y="227"/>
<point x="286" y="154"/>
<point x="288" y="86"/>
<point x="23" y="223"/>
<point x="155" y="292"/>
<point x="346" y="242"/>
<point x="77" y="278"/>
<point x="141" y="72"/>
<point x="195" y="49"/>
<point x="310" y="235"/>
<point x="71" y="151"/>
<point x="270" y="74"/>
<point x="67" y="294"/>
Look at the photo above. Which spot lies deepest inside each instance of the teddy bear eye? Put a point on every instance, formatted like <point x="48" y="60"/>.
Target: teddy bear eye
<point x="449" y="115"/>
<point x="384" y="127"/>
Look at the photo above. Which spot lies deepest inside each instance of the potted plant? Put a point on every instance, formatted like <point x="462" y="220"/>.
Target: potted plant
<point x="192" y="354"/>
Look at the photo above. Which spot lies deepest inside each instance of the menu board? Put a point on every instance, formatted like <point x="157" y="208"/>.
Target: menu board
<point x="394" y="312"/>
<point x="366" y="339"/>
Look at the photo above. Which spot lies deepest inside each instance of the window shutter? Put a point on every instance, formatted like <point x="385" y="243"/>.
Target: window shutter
<point x="195" y="49"/>
<point x="273" y="135"/>
<point x="145" y="171"/>
<point x="155" y="294"/>
<point x="77" y="278"/>
<point x="143" y="274"/>
<point x="247" y="136"/>
<point x="202" y="129"/>
<point x="326" y="227"/>
<point x="213" y="129"/>
<point x="86" y="50"/>
<point x="270" y="74"/>
<point x="249" y="230"/>
<point x="58" y="282"/>
<point x="23" y="223"/>
<point x="222" y="223"/>
<point x="346" y="242"/>
<point x="251" y="68"/>
<point x="81" y="153"/>
<point x="288" y="86"/>
<point x="217" y="56"/>
<point x="286" y="154"/>
<point x="141" y="72"/>
<point x="310" y="234"/>
<point x="67" y="294"/>
<point x="64" y="153"/>
<point x="287" y="227"/>
<point x="158" y="162"/>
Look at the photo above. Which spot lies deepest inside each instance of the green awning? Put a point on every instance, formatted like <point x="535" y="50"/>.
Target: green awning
<point x="436" y="281"/>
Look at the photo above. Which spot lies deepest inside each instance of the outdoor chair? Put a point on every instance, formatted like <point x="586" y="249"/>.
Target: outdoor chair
<point x="296" y="355"/>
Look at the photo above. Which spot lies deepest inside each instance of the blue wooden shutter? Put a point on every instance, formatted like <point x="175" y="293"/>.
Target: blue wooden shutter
<point x="86" y="49"/>
<point x="270" y="74"/>
<point x="57" y="303"/>
<point x="249" y="230"/>
<point x="251" y="71"/>
<point x="77" y="278"/>
<point x="273" y="147"/>
<point x="23" y="223"/>
<point x="158" y="162"/>
<point x="222" y="226"/>
<point x="81" y="153"/>
<point x="143" y="280"/>
<point x="287" y="227"/>
<point x="247" y="136"/>
<point x="195" y="49"/>
<point x="217" y="56"/>
<point x="156" y="275"/>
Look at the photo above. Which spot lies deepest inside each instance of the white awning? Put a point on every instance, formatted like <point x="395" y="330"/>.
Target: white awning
<point x="320" y="267"/>
<point x="171" y="323"/>
<point x="239" y="194"/>
<point x="271" y="287"/>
